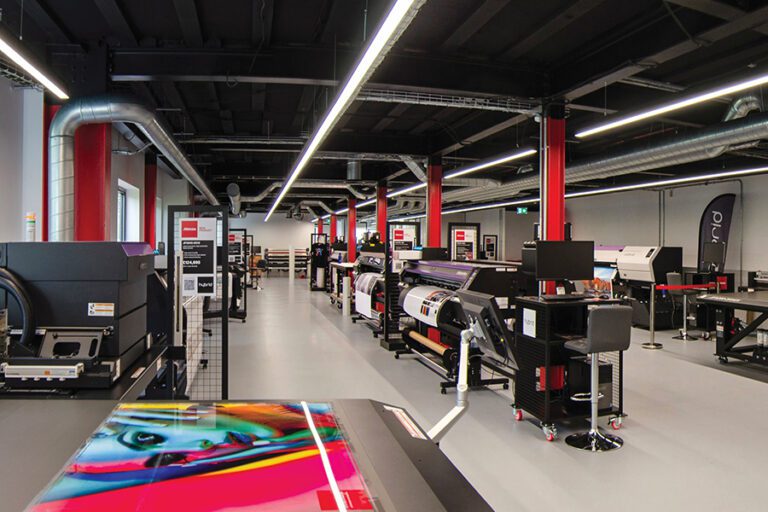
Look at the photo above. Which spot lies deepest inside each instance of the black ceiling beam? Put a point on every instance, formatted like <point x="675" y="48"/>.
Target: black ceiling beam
<point x="474" y="133"/>
<point x="477" y="20"/>
<point x="47" y="21"/>
<point x="391" y="116"/>
<point x="439" y="119"/>
<point x="225" y="116"/>
<point x="115" y="18"/>
<point x="624" y="70"/>
<point x="262" y="14"/>
<point x="186" y="12"/>
<point x="172" y="95"/>
<point x="717" y="10"/>
<point x="549" y="29"/>
<point x="314" y="66"/>
<point x="303" y="110"/>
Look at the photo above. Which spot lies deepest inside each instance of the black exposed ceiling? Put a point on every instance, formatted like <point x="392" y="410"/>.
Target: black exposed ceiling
<point x="268" y="69"/>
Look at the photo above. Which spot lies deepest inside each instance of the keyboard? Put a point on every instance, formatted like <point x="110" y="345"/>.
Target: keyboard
<point x="569" y="296"/>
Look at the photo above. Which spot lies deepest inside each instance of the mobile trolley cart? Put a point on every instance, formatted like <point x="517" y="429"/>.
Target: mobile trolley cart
<point x="549" y="374"/>
<point x="731" y="332"/>
<point x="338" y="272"/>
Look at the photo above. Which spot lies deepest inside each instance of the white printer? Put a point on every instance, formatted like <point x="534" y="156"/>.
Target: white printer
<point x="649" y="264"/>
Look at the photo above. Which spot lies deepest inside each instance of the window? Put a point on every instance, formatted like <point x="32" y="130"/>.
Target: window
<point x="122" y="200"/>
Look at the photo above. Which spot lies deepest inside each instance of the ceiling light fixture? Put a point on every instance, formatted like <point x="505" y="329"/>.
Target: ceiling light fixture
<point x="398" y="18"/>
<point x="27" y="66"/>
<point x="610" y="190"/>
<point x="677" y="105"/>
<point x="490" y="163"/>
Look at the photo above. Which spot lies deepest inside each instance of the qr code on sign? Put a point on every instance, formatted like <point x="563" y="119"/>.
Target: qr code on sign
<point x="189" y="285"/>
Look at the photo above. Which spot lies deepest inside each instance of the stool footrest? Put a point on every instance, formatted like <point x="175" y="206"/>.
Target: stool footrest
<point x="585" y="397"/>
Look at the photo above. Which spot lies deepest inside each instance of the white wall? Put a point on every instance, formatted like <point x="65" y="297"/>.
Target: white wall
<point x="278" y="233"/>
<point x="21" y="159"/>
<point x="129" y="169"/>
<point x="517" y="229"/>
<point x="173" y="192"/>
<point x="632" y="218"/>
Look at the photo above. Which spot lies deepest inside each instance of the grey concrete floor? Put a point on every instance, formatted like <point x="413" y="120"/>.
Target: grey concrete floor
<point x="693" y="438"/>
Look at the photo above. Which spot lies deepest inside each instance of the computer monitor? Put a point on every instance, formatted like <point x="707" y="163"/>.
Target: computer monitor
<point x="714" y="253"/>
<point x="497" y="341"/>
<point x="561" y="260"/>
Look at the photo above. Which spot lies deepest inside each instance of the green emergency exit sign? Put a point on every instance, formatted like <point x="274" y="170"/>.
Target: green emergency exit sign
<point x="522" y="210"/>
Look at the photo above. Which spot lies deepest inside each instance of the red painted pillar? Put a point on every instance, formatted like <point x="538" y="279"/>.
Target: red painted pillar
<point x="381" y="211"/>
<point x="320" y="226"/>
<point x="434" y="201"/>
<point x="93" y="172"/>
<point x="48" y="112"/>
<point x="332" y="228"/>
<point x="552" y="177"/>
<point x="351" y="227"/>
<point x="150" y="199"/>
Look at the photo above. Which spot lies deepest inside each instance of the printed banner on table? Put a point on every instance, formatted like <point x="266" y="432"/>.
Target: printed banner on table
<point x="198" y="246"/>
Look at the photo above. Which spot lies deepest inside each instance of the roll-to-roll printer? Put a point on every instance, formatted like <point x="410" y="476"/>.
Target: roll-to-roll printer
<point x="642" y="267"/>
<point x="427" y="296"/>
<point x="77" y="311"/>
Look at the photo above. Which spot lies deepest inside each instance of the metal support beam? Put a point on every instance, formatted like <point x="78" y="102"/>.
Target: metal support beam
<point x="716" y="10"/>
<point x="498" y="104"/>
<point x="115" y="18"/>
<point x="477" y="20"/>
<point x="186" y="12"/>
<point x="492" y="130"/>
<point x="415" y="168"/>
<point x="549" y="29"/>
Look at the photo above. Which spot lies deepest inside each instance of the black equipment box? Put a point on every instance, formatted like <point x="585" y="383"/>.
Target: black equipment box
<point x="93" y="295"/>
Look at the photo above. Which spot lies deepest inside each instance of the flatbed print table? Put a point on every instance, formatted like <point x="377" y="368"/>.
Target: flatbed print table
<point x="731" y="336"/>
<point x="204" y="456"/>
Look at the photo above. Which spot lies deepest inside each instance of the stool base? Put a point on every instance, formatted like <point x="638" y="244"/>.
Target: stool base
<point x="594" y="441"/>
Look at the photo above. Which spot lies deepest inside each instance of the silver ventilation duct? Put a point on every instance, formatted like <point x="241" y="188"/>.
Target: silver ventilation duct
<point x="61" y="151"/>
<point x="233" y="191"/>
<point x="321" y="204"/>
<point x="262" y="195"/>
<point x="686" y="148"/>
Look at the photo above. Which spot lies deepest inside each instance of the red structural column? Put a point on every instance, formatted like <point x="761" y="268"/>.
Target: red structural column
<point x="555" y="175"/>
<point x="332" y="228"/>
<point x="381" y="211"/>
<point x="48" y="112"/>
<point x="434" y="202"/>
<point x="93" y="173"/>
<point x="150" y="199"/>
<point x="351" y="227"/>
<point x="320" y="226"/>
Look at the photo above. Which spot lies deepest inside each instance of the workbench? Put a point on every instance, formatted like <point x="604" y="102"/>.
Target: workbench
<point x="731" y="335"/>
<point x="200" y="456"/>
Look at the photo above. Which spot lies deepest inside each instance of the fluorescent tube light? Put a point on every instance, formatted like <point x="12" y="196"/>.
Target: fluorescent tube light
<point x="466" y="170"/>
<point x="405" y="190"/>
<point x="27" y="66"/>
<point x="339" y="212"/>
<point x="365" y="203"/>
<point x="490" y="163"/>
<point x="611" y="190"/>
<point x="387" y="34"/>
<point x="677" y="105"/>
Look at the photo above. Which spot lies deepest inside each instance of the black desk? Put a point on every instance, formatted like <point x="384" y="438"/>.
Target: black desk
<point x="730" y="334"/>
<point x="402" y="469"/>
<point x="549" y="374"/>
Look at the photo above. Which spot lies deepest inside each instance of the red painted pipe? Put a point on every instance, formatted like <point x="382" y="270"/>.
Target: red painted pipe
<point x="381" y="211"/>
<point x="434" y="203"/>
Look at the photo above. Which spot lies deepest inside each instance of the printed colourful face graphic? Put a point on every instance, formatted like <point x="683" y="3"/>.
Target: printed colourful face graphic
<point x="202" y="457"/>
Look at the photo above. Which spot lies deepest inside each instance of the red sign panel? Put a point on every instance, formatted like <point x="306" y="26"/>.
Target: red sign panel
<point x="459" y="235"/>
<point x="399" y="234"/>
<point x="189" y="229"/>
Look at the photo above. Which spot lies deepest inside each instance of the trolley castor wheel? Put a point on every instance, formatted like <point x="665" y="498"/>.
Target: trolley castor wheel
<point x="550" y="432"/>
<point x="443" y="391"/>
<point x="397" y="356"/>
<point x="723" y="360"/>
<point x="518" y="415"/>
<point x="706" y="336"/>
<point x="505" y="386"/>
<point x="615" y="422"/>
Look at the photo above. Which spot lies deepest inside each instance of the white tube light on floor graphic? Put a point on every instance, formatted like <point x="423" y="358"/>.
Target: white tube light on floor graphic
<point x="27" y="66"/>
<point x="677" y="105"/>
<point x="395" y="22"/>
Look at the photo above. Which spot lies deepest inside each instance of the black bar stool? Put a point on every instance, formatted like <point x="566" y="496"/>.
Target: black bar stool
<point x="609" y="330"/>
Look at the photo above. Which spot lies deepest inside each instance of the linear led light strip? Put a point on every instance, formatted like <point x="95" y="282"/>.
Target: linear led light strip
<point x="677" y="105"/>
<point x="340" y="503"/>
<point x="383" y="40"/>
<point x="609" y="190"/>
<point x="27" y="66"/>
<point x="459" y="172"/>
